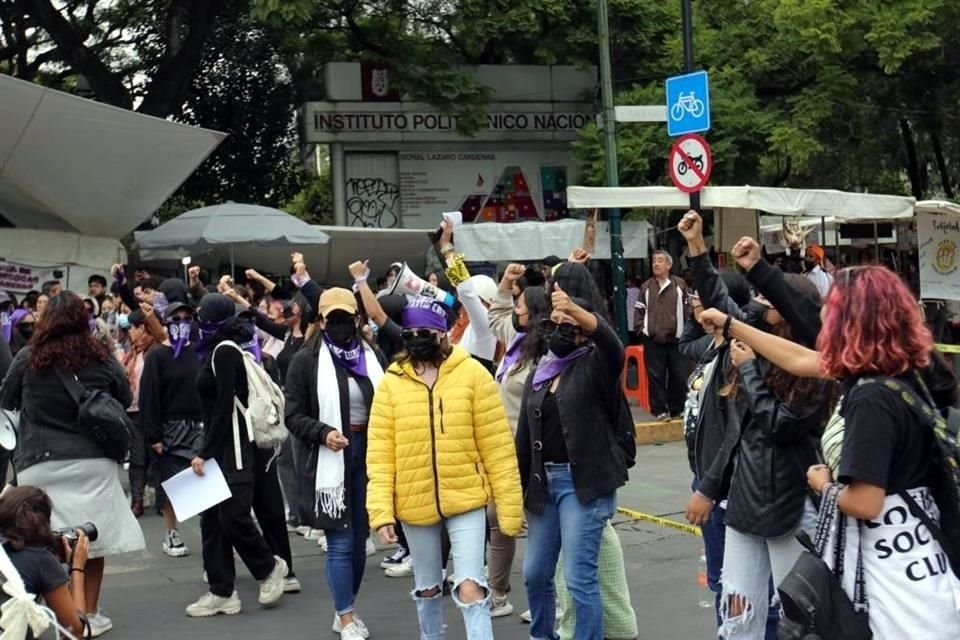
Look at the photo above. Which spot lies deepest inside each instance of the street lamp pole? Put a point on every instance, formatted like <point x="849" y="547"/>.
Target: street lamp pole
<point x="687" y="22"/>
<point x="610" y="157"/>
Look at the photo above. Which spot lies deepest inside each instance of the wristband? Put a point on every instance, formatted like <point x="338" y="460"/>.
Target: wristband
<point x="447" y="248"/>
<point x="726" y="327"/>
<point x="83" y="571"/>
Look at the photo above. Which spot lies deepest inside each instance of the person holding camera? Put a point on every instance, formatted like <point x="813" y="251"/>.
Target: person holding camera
<point x="59" y="453"/>
<point x="37" y="552"/>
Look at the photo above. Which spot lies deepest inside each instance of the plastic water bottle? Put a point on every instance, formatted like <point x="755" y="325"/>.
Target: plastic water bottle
<point x="706" y="601"/>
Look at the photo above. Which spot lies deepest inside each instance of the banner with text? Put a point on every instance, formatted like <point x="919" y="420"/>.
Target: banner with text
<point x="21" y="278"/>
<point x="938" y="238"/>
<point x="486" y="186"/>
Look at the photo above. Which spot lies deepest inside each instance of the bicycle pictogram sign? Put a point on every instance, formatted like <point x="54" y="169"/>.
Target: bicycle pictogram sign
<point x="688" y="103"/>
<point x="690" y="163"/>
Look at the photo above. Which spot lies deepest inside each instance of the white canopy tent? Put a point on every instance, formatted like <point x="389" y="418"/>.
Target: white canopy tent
<point x="72" y="164"/>
<point x="40" y="255"/>
<point x="529" y="241"/>
<point x="814" y="203"/>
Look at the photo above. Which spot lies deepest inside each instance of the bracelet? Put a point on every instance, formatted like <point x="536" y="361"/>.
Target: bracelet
<point x="726" y="327"/>
<point x="447" y="248"/>
<point x="83" y="571"/>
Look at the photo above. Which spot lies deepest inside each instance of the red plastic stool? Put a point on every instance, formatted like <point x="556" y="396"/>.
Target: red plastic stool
<point x="640" y="393"/>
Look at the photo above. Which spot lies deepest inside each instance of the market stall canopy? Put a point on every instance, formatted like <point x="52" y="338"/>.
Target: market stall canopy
<point x="938" y="207"/>
<point x="28" y="257"/>
<point x="813" y="203"/>
<point x="530" y="241"/>
<point x="71" y="164"/>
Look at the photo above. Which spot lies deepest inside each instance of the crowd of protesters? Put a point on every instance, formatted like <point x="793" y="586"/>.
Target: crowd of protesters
<point x="447" y="413"/>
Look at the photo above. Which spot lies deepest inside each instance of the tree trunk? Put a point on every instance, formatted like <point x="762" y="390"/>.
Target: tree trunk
<point x="942" y="166"/>
<point x="912" y="163"/>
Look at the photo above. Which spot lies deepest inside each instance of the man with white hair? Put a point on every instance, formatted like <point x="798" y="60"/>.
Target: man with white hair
<point x="660" y="314"/>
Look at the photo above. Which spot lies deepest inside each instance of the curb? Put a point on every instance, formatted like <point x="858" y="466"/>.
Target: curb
<point x="658" y="432"/>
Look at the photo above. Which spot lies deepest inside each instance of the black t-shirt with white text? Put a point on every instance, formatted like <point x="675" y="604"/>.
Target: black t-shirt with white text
<point x="885" y="442"/>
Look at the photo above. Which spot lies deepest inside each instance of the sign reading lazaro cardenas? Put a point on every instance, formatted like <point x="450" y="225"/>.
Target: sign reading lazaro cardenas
<point x="938" y="238"/>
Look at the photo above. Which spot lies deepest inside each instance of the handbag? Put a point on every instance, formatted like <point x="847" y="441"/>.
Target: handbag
<point x="9" y="428"/>
<point x="103" y="415"/>
<point x="815" y="605"/>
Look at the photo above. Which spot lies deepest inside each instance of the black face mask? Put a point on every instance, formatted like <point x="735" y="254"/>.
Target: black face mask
<point x="341" y="330"/>
<point x="422" y="349"/>
<point x="519" y="328"/>
<point x="561" y="345"/>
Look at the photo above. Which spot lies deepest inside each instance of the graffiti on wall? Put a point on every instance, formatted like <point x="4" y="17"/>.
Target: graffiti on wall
<point x="373" y="202"/>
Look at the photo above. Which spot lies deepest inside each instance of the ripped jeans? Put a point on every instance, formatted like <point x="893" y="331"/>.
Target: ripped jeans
<point x="748" y="563"/>
<point x="467" y="534"/>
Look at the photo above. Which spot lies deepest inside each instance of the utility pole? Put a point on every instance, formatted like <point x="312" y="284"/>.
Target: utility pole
<point x="610" y="156"/>
<point x="687" y="21"/>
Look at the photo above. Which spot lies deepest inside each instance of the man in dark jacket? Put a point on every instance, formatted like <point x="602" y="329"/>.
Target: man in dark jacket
<point x="661" y="313"/>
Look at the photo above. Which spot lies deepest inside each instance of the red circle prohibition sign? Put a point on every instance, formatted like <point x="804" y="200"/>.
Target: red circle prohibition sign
<point x="691" y="163"/>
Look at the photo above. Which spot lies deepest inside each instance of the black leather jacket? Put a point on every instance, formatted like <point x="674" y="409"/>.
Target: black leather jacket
<point x="778" y="443"/>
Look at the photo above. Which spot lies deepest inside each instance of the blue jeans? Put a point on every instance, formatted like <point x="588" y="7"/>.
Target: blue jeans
<point x="714" y="536"/>
<point x="347" y="547"/>
<point x="575" y="529"/>
<point x="467" y="533"/>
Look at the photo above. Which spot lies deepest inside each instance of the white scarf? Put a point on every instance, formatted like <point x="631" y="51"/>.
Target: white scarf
<point x="330" y="495"/>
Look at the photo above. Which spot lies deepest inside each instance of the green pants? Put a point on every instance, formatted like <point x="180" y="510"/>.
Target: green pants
<point x="619" y="618"/>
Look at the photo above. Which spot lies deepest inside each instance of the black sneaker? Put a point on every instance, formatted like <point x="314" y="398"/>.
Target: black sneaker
<point x="395" y="559"/>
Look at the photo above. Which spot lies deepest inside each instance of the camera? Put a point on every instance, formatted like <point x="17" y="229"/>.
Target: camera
<point x="70" y="533"/>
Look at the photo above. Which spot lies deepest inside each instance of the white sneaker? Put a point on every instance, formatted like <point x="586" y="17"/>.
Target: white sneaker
<point x="402" y="570"/>
<point x="99" y="623"/>
<point x="394" y="558"/>
<point x="322" y="542"/>
<point x="291" y="585"/>
<point x="303" y="530"/>
<point x="352" y="632"/>
<point x="313" y="534"/>
<point x="210" y="605"/>
<point x="173" y="546"/>
<point x="500" y="607"/>
<point x="525" y="616"/>
<point x="371" y="548"/>
<point x="337" y="627"/>
<point x="271" y="589"/>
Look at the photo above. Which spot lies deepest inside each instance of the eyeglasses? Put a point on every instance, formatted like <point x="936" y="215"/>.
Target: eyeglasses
<point x="410" y="334"/>
<point x="181" y="318"/>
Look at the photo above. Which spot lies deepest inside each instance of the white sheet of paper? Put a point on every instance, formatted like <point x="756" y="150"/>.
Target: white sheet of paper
<point x="453" y="217"/>
<point x="192" y="494"/>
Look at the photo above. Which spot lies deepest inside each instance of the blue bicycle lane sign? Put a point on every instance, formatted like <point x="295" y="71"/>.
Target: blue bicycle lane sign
<point x="688" y="104"/>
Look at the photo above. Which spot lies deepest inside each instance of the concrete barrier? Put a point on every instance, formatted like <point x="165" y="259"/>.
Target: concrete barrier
<point x="659" y="432"/>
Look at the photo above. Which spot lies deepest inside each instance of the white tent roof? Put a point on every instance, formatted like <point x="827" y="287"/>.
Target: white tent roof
<point x="939" y="207"/>
<point x="783" y="202"/>
<point x="72" y="164"/>
<point x="82" y="256"/>
<point x="501" y="242"/>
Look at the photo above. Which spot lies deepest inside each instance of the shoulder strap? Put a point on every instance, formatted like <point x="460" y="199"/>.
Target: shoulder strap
<point x="919" y="512"/>
<point x="74" y="388"/>
<point x="213" y="356"/>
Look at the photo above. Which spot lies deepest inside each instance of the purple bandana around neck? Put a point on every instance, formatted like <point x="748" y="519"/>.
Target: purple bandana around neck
<point x="424" y="313"/>
<point x="353" y="359"/>
<point x="253" y="347"/>
<point x="551" y="366"/>
<point x="179" y="334"/>
<point x="511" y="356"/>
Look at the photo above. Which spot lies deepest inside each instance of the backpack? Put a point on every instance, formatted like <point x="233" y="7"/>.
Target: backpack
<point x="264" y="410"/>
<point x="945" y="487"/>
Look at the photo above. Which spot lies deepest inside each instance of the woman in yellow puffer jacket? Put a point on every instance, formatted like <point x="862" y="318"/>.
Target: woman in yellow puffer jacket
<point x="439" y="451"/>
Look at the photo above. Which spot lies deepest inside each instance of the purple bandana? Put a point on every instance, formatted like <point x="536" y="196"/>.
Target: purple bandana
<point x="159" y="303"/>
<point x="179" y="334"/>
<point x="253" y="347"/>
<point x="551" y="366"/>
<point x="352" y="358"/>
<point x="120" y="277"/>
<point x="206" y="331"/>
<point x="8" y="322"/>
<point x="424" y="313"/>
<point x="511" y="356"/>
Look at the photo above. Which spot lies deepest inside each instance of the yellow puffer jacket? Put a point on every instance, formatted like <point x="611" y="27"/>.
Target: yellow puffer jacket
<point x="441" y="452"/>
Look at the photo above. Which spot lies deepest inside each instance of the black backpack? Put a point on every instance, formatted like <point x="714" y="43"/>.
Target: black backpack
<point x="102" y="414"/>
<point x="815" y="605"/>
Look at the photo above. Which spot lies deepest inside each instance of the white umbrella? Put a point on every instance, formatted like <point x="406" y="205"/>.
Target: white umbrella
<point x="232" y="226"/>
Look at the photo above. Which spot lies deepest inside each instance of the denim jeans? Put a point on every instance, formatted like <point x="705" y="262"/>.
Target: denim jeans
<point x="576" y="529"/>
<point x="749" y="563"/>
<point x="347" y="547"/>
<point x="714" y="534"/>
<point x="467" y="532"/>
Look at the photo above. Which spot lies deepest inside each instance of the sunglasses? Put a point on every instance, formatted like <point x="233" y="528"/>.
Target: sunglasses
<point x="549" y="327"/>
<point x="410" y="334"/>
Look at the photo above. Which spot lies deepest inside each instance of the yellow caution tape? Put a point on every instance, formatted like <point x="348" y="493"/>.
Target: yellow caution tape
<point x="948" y="348"/>
<point x="663" y="522"/>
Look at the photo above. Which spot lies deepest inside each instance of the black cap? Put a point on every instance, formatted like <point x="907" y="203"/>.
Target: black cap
<point x="216" y="307"/>
<point x="173" y="307"/>
<point x="551" y="261"/>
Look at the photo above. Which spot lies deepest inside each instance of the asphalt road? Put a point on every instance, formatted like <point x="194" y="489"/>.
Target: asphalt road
<point x="145" y="594"/>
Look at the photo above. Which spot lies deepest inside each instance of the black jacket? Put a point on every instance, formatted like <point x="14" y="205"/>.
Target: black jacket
<point x="593" y="421"/>
<point x="48" y="414"/>
<point x="302" y="411"/>
<point x="778" y="443"/>
<point x="799" y="311"/>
